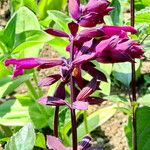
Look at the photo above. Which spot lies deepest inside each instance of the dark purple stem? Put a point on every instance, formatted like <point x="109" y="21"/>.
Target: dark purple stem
<point x="73" y="115"/>
<point x="56" y="121"/>
<point x="134" y="122"/>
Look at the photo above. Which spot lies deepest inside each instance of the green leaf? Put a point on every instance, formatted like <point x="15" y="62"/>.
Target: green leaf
<point x="142" y="16"/>
<point x="16" y="4"/>
<point x="144" y="100"/>
<point x="60" y="19"/>
<point x="22" y="140"/>
<point x="40" y="140"/>
<point x="25" y="100"/>
<point x="32" y="36"/>
<point x="59" y="45"/>
<point x="105" y="87"/>
<point x="122" y="72"/>
<point x="3" y="71"/>
<point x="116" y="98"/>
<point x="23" y="20"/>
<point x="140" y="4"/>
<point x="45" y="5"/>
<point x="96" y="119"/>
<point x="12" y="113"/>
<point x="115" y="14"/>
<point x="41" y="115"/>
<point x="29" y="43"/>
<point x="143" y="129"/>
<point x="10" y="84"/>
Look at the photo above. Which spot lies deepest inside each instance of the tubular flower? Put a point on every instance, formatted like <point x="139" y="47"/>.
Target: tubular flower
<point x="115" y="50"/>
<point x="29" y="63"/>
<point x="90" y="14"/>
<point x="112" y="50"/>
<point x="85" y="144"/>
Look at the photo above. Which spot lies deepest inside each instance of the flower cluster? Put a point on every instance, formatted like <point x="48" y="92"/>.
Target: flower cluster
<point x="105" y="44"/>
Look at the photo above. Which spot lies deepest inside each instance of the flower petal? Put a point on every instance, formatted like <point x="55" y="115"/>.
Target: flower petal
<point x="88" y="34"/>
<point x="88" y="67"/>
<point x="97" y="6"/>
<point x="49" y="63"/>
<point x="117" y="30"/>
<point x="17" y="72"/>
<point x="87" y="90"/>
<point x="106" y="45"/>
<point x="83" y="58"/>
<point x="74" y="8"/>
<point x="54" y="101"/>
<point x="73" y="27"/>
<point x="24" y="63"/>
<point x="91" y="20"/>
<point x="55" y="32"/>
<point x="85" y="142"/>
<point x="80" y="105"/>
<point x="55" y="143"/>
<point x="60" y="91"/>
<point x="49" y="80"/>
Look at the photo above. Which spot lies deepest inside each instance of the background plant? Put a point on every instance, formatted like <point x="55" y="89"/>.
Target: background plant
<point x="121" y="72"/>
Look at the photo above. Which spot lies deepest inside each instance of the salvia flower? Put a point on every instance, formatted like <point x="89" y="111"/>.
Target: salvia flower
<point x="111" y="50"/>
<point x="115" y="50"/>
<point x="56" y="144"/>
<point x="91" y="14"/>
<point x="30" y="63"/>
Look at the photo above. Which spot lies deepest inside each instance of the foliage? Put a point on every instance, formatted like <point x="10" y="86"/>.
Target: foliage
<point x="23" y="37"/>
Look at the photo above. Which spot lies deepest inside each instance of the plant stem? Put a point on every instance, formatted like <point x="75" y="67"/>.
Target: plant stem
<point x="32" y="89"/>
<point x="36" y="82"/>
<point x="73" y="114"/>
<point x="85" y="122"/>
<point x="134" y="121"/>
<point x="56" y="121"/>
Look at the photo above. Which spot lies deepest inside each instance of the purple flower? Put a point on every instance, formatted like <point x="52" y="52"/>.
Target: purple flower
<point x="56" y="144"/>
<point x="29" y="63"/>
<point x="90" y="14"/>
<point x="115" y="50"/>
<point x="121" y="31"/>
<point x="111" y="50"/>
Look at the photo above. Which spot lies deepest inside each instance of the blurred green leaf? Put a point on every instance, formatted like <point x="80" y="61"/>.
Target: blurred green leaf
<point x="10" y="84"/>
<point x="59" y="45"/>
<point x="144" y="100"/>
<point x="45" y="5"/>
<point x="12" y="113"/>
<point x="41" y="115"/>
<point x="29" y="43"/>
<point x="140" y="4"/>
<point x="142" y="16"/>
<point x="115" y="14"/>
<point x="40" y="140"/>
<point x="23" y="20"/>
<point x="32" y="36"/>
<point x="122" y="72"/>
<point x="116" y="98"/>
<point x="4" y="71"/>
<point x="22" y="140"/>
<point x="25" y="100"/>
<point x="60" y="19"/>
<point x="31" y="4"/>
<point x="143" y="129"/>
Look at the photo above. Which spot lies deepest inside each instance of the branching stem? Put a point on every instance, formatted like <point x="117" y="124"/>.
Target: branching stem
<point x="134" y="121"/>
<point x="56" y="120"/>
<point x="73" y="114"/>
